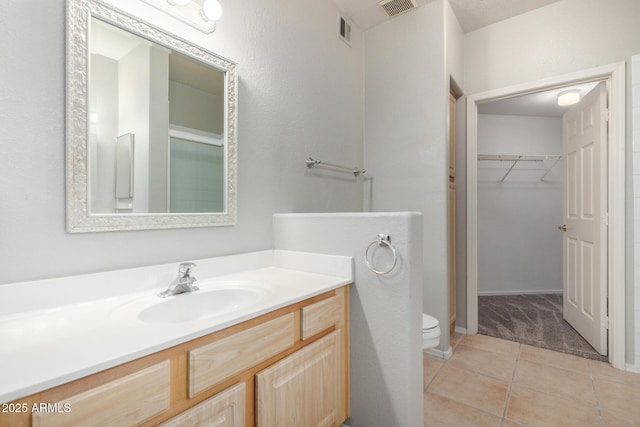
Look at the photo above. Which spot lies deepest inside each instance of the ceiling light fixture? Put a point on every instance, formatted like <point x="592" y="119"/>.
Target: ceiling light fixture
<point x="200" y="14"/>
<point x="568" y="97"/>
<point x="211" y="10"/>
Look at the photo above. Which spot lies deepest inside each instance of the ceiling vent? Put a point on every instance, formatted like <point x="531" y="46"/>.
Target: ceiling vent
<point x="344" y="30"/>
<point x="396" y="7"/>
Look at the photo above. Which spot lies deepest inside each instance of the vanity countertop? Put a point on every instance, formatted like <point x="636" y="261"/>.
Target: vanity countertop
<point x="46" y="347"/>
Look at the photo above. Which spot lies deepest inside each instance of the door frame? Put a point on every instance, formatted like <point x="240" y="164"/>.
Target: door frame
<point x="615" y="75"/>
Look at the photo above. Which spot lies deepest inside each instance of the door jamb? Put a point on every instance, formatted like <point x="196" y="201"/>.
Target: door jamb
<point x="615" y="74"/>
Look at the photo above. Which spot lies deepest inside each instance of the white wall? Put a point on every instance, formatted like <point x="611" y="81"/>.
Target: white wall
<point x="406" y="104"/>
<point x="300" y="94"/>
<point x="103" y="132"/>
<point x="519" y="245"/>
<point x="454" y="45"/>
<point x="134" y="96"/>
<point x="386" y="311"/>
<point x="566" y="36"/>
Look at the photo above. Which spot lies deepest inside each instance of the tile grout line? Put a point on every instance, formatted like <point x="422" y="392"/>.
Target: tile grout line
<point x="426" y="386"/>
<point x="595" y="394"/>
<point x="490" y="414"/>
<point x="513" y="375"/>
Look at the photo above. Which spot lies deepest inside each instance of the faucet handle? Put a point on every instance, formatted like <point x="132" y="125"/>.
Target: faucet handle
<point x="185" y="269"/>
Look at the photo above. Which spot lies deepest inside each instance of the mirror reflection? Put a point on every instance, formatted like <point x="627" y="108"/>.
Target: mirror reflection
<point x="156" y="127"/>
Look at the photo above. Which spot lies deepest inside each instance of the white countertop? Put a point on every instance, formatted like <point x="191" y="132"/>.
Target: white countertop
<point x="50" y="346"/>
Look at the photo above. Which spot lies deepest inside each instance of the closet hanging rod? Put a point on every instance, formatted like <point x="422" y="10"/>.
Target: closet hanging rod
<point x="518" y="157"/>
<point x="311" y="163"/>
<point x="521" y="158"/>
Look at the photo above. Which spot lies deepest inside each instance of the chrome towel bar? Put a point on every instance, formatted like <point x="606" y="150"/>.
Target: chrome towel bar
<point x="311" y="163"/>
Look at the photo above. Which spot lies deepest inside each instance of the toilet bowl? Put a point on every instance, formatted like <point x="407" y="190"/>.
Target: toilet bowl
<point x="430" y="332"/>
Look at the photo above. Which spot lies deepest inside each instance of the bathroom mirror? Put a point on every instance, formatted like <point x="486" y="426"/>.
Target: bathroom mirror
<point x="151" y="126"/>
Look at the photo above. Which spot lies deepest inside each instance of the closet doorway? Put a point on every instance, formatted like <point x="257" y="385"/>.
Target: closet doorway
<point x="518" y="167"/>
<point x="521" y="232"/>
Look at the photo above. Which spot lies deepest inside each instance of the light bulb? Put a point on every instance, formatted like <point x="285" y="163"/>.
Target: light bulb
<point x="211" y="10"/>
<point x="568" y="97"/>
<point x="178" y="2"/>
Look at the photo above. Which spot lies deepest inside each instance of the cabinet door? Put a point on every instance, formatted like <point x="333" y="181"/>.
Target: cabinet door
<point x="225" y="409"/>
<point x="304" y="389"/>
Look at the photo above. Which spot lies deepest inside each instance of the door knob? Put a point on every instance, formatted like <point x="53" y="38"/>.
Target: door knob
<point x="563" y="227"/>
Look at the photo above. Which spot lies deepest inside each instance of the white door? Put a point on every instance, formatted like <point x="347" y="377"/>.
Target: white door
<point x="585" y="217"/>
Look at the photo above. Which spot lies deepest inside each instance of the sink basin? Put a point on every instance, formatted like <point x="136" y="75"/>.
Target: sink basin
<point x="202" y="304"/>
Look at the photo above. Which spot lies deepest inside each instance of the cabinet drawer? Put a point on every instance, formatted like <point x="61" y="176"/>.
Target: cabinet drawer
<point x="226" y="408"/>
<point x="322" y="315"/>
<point x="125" y="401"/>
<point x="213" y="363"/>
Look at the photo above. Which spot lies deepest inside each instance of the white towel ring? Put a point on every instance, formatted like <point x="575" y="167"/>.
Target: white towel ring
<point x="383" y="239"/>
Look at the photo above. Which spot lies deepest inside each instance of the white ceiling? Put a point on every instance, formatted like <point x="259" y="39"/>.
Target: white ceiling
<point x="543" y="104"/>
<point x="110" y="41"/>
<point x="472" y="14"/>
<point x="115" y="43"/>
<point x="366" y="13"/>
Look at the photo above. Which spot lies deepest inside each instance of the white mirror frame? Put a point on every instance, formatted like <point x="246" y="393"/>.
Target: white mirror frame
<point x="79" y="216"/>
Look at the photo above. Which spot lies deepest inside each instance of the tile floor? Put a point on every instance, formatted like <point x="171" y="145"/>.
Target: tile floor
<point x="492" y="382"/>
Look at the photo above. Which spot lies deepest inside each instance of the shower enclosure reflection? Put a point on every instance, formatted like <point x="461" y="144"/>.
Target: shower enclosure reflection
<point x="174" y="106"/>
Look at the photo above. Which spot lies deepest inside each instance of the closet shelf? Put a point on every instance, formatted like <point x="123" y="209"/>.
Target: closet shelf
<point x="521" y="158"/>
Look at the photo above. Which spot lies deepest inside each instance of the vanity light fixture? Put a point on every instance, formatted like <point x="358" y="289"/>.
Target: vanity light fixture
<point x="200" y="14"/>
<point x="211" y="10"/>
<point x="568" y="97"/>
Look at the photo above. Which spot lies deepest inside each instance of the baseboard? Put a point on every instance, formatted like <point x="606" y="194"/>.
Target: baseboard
<point x="436" y="352"/>
<point x="536" y="292"/>
<point x="633" y="368"/>
<point x="461" y="330"/>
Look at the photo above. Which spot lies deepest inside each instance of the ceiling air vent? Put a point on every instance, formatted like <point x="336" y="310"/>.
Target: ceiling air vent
<point x="396" y="7"/>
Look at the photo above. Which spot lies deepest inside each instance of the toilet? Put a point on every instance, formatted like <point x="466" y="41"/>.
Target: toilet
<point x="430" y="332"/>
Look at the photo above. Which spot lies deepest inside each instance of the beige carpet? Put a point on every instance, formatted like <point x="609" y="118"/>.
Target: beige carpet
<point x="532" y="319"/>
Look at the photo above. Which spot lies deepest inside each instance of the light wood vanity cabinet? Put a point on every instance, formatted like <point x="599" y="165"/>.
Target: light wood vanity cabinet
<point x="286" y="367"/>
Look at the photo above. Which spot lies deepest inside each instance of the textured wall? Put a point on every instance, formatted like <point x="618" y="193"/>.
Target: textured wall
<point x="566" y="36"/>
<point x="406" y="132"/>
<point x="386" y="320"/>
<point x="519" y="246"/>
<point x="300" y="94"/>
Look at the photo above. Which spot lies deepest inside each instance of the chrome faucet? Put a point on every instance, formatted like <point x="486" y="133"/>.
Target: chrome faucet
<point x="183" y="283"/>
